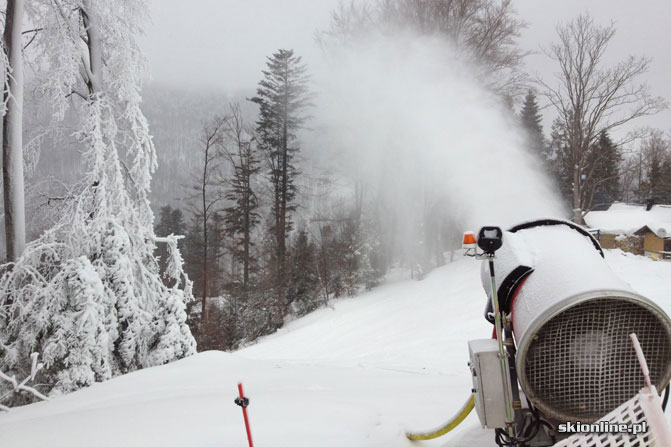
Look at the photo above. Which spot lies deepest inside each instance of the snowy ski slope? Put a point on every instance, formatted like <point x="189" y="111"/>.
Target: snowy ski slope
<point x="356" y="374"/>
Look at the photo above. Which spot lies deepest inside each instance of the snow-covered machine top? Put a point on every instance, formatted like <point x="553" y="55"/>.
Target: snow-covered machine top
<point x="571" y="318"/>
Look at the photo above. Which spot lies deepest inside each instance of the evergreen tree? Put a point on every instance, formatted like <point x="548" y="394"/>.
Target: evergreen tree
<point x="242" y="216"/>
<point x="603" y="183"/>
<point x="657" y="184"/>
<point x="282" y="97"/>
<point x="304" y="279"/>
<point x="664" y="189"/>
<point x="328" y="261"/>
<point x="83" y="355"/>
<point x="600" y="184"/>
<point x="559" y="161"/>
<point x="177" y="225"/>
<point x="355" y="262"/>
<point x="655" y="175"/>
<point x="531" y="120"/>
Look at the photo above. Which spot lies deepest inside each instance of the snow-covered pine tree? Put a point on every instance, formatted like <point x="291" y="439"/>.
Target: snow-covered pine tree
<point x="88" y="293"/>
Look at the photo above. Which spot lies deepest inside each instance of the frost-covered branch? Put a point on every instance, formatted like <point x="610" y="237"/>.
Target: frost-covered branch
<point x="21" y="386"/>
<point x="32" y="38"/>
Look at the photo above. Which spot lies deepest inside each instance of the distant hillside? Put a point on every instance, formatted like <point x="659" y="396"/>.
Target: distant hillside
<point x="175" y="116"/>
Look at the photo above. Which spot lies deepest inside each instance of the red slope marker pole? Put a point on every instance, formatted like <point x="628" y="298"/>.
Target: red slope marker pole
<point x="244" y="402"/>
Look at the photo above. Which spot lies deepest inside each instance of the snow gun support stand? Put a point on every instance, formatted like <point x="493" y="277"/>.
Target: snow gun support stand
<point x="489" y="240"/>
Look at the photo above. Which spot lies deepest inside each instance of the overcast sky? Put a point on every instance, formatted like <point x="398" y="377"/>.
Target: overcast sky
<point x="222" y="44"/>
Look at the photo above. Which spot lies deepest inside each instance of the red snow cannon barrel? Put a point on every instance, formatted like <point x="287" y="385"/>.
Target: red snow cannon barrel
<point x="571" y="318"/>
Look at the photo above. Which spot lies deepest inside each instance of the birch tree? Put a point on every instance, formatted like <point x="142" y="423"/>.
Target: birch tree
<point x="12" y="136"/>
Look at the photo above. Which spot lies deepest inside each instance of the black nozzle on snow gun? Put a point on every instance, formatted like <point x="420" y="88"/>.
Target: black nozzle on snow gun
<point x="490" y="239"/>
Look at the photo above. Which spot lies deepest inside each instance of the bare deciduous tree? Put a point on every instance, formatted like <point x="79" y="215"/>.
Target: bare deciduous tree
<point x="242" y="216"/>
<point x="482" y="31"/>
<point x="654" y="169"/>
<point x="590" y="98"/>
<point x="206" y="192"/>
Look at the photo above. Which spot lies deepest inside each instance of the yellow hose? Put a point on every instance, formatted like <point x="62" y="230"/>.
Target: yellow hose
<point x="449" y="426"/>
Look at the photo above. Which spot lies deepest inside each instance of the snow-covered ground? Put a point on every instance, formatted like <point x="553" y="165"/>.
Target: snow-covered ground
<point x="355" y="374"/>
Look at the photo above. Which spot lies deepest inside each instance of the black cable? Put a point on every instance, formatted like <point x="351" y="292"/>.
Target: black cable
<point x="666" y="397"/>
<point x="532" y="407"/>
<point x="526" y="437"/>
<point x="531" y="424"/>
<point x="528" y="432"/>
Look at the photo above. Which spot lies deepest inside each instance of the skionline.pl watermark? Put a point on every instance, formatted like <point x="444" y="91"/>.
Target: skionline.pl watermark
<point x="603" y="427"/>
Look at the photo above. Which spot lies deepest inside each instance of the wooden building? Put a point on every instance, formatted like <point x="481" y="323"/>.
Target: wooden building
<point x="656" y="243"/>
<point x="639" y="229"/>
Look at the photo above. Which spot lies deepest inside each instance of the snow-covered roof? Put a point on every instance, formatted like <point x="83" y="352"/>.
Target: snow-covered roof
<point x="622" y="218"/>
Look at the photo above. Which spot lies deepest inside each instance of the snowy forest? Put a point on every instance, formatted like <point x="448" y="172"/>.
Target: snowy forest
<point x="145" y="222"/>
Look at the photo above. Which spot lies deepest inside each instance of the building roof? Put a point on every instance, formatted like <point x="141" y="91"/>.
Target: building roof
<point x="659" y="232"/>
<point x="622" y="218"/>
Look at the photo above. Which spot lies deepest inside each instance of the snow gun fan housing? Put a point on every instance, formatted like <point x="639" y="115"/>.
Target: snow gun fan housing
<point x="571" y="319"/>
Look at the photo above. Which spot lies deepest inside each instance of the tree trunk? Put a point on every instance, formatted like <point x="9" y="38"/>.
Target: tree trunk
<point x="12" y="139"/>
<point x="284" y="190"/>
<point x="285" y="178"/>
<point x="246" y="232"/>
<point x="203" y="314"/>
<point x="95" y="68"/>
<point x="577" y="193"/>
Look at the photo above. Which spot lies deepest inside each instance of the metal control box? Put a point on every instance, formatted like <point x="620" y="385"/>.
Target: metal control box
<point x="488" y="388"/>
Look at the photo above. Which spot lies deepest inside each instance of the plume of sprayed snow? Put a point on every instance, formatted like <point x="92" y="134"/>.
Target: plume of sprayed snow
<point x="404" y="115"/>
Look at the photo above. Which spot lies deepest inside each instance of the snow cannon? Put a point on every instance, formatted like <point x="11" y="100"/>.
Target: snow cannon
<point x="572" y="343"/>
<point x="571" y="317"/>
